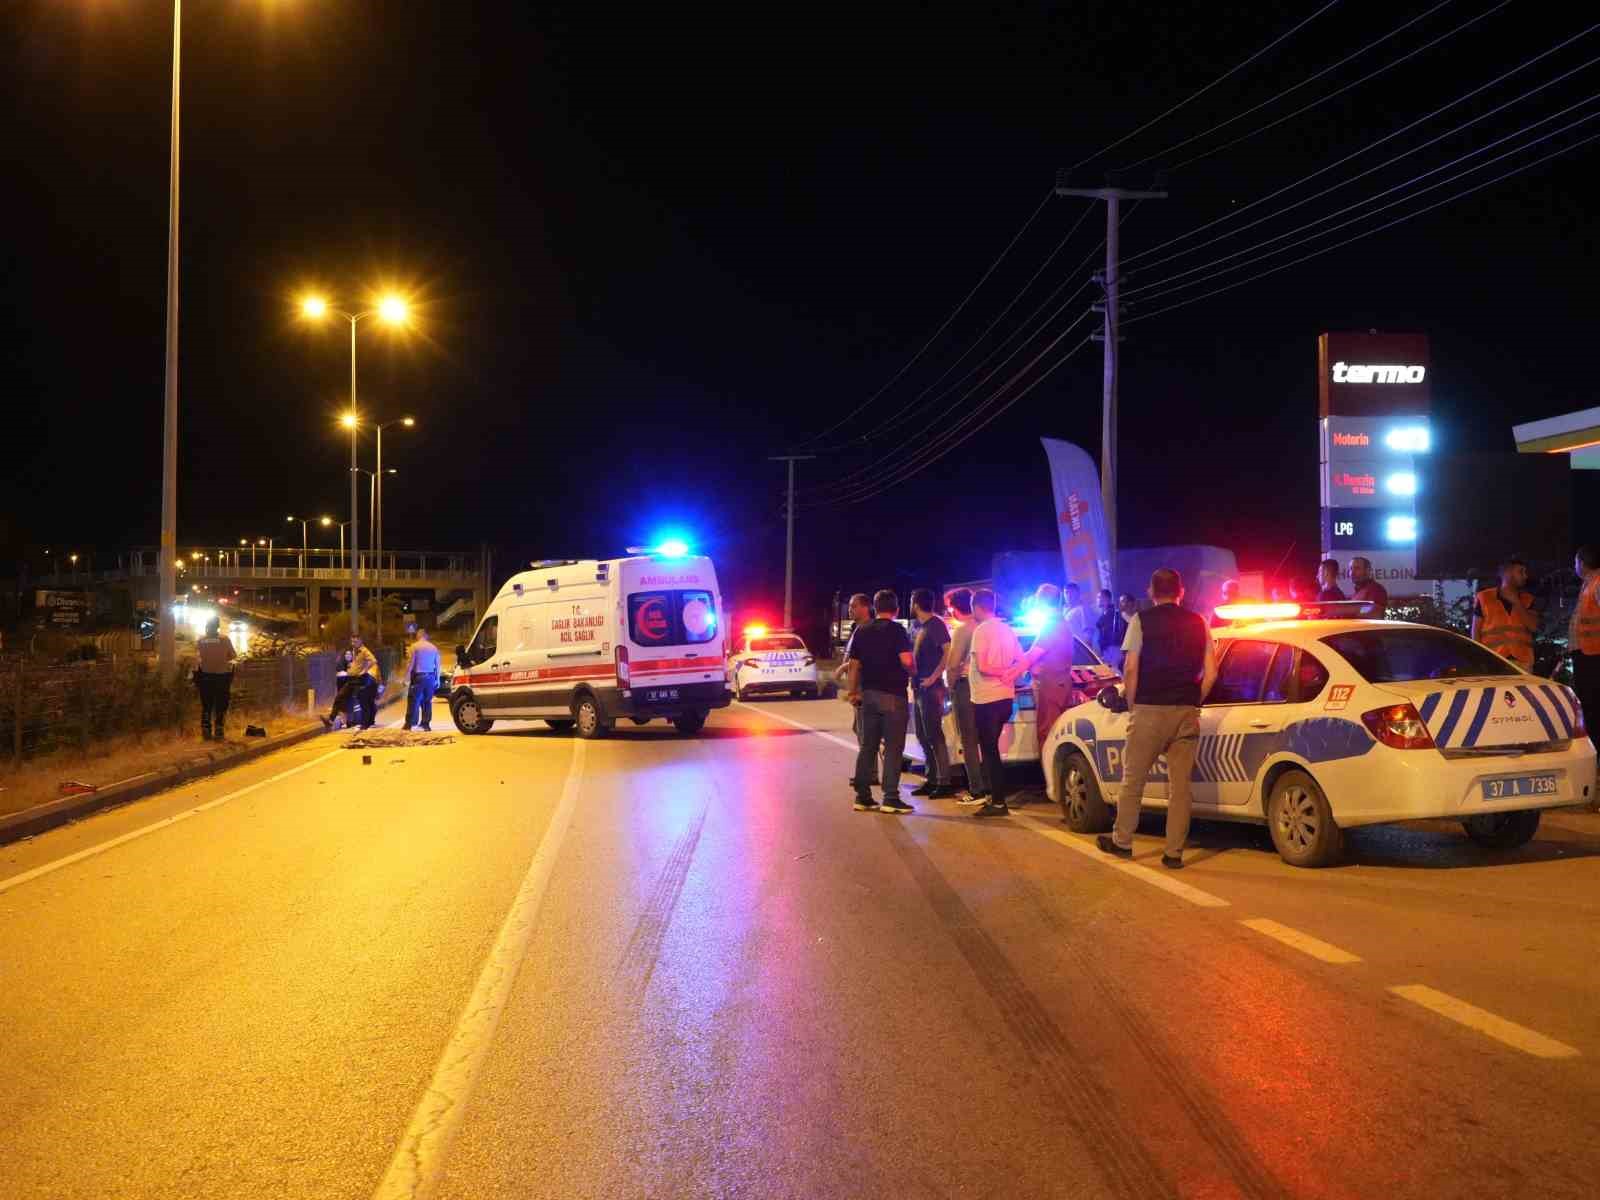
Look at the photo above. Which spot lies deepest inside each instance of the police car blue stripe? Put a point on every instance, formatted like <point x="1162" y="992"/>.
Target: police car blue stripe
<point x="1428" y="705"/>
<point x="1538" y="709"/>
<point x="1458" y="703"/>
<point x="1561" y="708"/>
<point x="1236" y="758"/>
<point x="1480" y="717"/>
<point x="1569" y="703"/>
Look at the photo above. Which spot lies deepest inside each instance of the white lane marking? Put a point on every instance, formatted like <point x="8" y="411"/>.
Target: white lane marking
<point x="419" y="1160"/>
<point x="1518" y="1037"/>
<point x="1302" y="942"/>
<point x="848" y="743"/>
<point x="1133" y="870"/>
<point x="18" y="880"/>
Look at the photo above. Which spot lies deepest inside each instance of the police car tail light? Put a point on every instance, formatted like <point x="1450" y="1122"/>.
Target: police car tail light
<point x="1400" y="727"/>
<point x="622" y="665"/>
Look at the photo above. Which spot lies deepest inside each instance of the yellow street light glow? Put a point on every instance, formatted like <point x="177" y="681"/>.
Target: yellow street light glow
<point x="408" y="421"/>
<point x="348" y="420"/>
<point x="242" y="542"/>
<point x="327" y="520"/>
<point x="394" y="310"/>
<point x="314" y="307"/>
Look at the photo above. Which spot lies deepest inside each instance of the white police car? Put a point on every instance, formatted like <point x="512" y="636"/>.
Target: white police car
<point x="1315" y="726"/>
<point x="770" y="661"/>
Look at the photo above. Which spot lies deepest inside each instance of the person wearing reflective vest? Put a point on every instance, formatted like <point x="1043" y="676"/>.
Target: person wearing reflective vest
<point x="1503" y="618"/>
<point x="1584" y="636"/>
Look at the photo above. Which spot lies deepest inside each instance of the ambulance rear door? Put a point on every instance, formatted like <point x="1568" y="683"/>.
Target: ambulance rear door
<point x="672" y="616"/>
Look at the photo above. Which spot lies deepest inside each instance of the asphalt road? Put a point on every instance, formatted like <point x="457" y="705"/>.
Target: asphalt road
<point x="653" y="966"/>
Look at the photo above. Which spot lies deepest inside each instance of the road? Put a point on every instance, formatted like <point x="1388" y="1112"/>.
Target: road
<point x="522" y="966"/>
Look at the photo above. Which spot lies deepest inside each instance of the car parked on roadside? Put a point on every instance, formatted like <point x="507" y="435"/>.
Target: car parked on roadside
<point x="769" y="662"/>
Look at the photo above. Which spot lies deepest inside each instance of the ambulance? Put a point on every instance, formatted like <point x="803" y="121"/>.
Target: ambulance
<point x="584" y="643"/>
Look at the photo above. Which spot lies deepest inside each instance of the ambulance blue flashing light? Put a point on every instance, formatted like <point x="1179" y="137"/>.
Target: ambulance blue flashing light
<point x="1036" y="618"/>
<point x="672" y="548"/>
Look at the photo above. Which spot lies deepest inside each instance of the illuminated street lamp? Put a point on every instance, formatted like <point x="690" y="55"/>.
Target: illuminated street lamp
<point x="392" y="310"/>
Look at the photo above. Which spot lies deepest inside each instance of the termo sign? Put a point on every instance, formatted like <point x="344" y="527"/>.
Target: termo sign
<point x="1377" y="373"/>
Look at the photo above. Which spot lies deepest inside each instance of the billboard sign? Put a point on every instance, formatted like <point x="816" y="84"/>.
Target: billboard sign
<point x="1373" y="374"/>
<point x="62" y="608"/>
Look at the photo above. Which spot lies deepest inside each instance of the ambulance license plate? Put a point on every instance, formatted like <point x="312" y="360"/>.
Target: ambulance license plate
<point x="1520" y="785"/>
<point x="657" y="695"/>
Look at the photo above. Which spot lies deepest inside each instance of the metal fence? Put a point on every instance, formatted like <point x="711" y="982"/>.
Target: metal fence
<point x="49" y="707"/>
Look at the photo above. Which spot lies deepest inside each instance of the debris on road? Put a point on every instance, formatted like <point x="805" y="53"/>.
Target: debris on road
<point x="73" y="787"/>
<point x="394" y="739"/>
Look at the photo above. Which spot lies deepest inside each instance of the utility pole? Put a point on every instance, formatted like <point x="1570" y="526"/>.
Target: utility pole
<point x="1111" y="281"/>
<point x="788" y="561"/>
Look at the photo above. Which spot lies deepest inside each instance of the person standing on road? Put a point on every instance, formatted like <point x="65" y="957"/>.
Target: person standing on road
<point x="1116" y="629"/>
<point x="996" y="661"/>
<point x="880" y="666"/>
<point x="1583" y="637"/>
<point x="1365" y="585"/>
<point x="1328" y="580"/>
<point x="1074" y="611"/>
<point x="1503" y="618"/>
<point x="214" y="679"/>
<point x="958" y="662"/>
<point x="1050" y="662"/>
<point x="928" y="652"/>
<point x="360" y="688"/>
<point x="1170" y="667"/>
<point x="860" y="615"/>
<point x="422" y="671"/>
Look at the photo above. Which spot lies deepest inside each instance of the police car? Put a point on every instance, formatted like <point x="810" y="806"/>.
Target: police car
<point x="768" y="661"/>
<point x="1319" y="722"/>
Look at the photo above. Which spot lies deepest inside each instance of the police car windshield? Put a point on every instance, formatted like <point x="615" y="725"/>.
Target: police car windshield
<point x="776" y="643"/>
<point x="1404" y="655"/>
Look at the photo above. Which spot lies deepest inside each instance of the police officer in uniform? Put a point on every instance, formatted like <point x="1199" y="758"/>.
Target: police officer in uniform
<point x="1503" y="618"/>
<point x="214" y="679"/>
<point x="1169" y="667"/>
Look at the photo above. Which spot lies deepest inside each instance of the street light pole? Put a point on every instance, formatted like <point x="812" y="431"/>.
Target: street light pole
<point x="167" y="567"/>
<point x="355" y="522"/>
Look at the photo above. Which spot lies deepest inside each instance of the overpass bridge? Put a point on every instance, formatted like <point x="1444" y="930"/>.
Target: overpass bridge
<point x="453" y="582"/>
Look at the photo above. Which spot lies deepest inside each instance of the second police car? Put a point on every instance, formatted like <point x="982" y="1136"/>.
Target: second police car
<point x="768" y="662"/>
<point x="1319" y="725"/>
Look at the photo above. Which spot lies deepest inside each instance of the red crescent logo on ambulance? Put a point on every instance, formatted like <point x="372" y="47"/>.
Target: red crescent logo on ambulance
<point x="651" y="621"/>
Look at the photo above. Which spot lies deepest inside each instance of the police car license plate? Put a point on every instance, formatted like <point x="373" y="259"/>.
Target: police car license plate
<point x="656" y="695"/>
<point x="1520" y="785"/>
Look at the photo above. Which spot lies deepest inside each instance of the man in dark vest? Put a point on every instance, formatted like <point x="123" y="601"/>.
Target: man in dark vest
<point x="1168" y="668"/>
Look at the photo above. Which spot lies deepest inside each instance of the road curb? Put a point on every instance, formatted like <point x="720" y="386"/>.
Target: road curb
<point x="55" y="813"/>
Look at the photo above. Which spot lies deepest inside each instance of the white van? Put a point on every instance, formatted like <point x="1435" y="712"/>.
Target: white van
<point x="582" y="644"/>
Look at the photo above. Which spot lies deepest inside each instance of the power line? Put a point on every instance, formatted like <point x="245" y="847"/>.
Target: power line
<point x="1165" y="290"/>
<point x="904" y="475"/>
<point x="1370" y="232"/>
<point x="1228" y="216"/>
<point x="1417" y="149"/>
<point x="1309" y="79"/>
<point x="1422" y="49"/>
<point x="1195" y="96"/>
<point x="910" y="409"/>
<point x="945" y="324"/>
<point x="938" y="417"/>
<point x="948" y="440"/>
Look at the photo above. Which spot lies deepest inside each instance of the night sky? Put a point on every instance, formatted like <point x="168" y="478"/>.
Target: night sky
<point x="652" y="245"/>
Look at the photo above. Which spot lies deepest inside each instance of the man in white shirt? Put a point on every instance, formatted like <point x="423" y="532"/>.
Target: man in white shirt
<point x="423" y="674"/>
<point x="1077" y="616"/>
<point x="996" y="662"/>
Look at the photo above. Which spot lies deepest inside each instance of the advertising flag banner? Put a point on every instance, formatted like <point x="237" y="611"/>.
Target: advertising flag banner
<point x="1080" y="521"/>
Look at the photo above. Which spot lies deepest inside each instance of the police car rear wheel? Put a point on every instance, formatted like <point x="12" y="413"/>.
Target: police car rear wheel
<point x="1503" y="831"/>
<point x="1082" y="806"/>
<point x="588" y="718"/>
<point x="468" y="717"/>
<point x="1301" y="823"/>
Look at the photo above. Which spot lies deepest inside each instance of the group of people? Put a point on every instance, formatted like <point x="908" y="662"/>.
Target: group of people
<point x="967" y="656"/>
<point x="357" y="694"/>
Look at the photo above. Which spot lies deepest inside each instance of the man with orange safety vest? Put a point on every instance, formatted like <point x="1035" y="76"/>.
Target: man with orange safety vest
<point x="1584" y="635"/>
<point x="1503" y="618"/>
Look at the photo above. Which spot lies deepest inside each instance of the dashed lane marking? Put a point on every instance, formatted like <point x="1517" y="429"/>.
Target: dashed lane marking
<point x="419" y="1160"/>
<point x="1302" y="942"/>
<point x="848" y="743"/>
<point x="1133" y="870"/>
<point x="1518" y="1037"/>
<point x="165" y="823"/>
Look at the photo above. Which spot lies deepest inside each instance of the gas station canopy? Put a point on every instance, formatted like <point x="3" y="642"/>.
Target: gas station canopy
<point x="1575" y="434"/>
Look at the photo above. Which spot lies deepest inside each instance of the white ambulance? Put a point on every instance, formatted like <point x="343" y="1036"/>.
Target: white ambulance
<point x="582" y="644"/>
